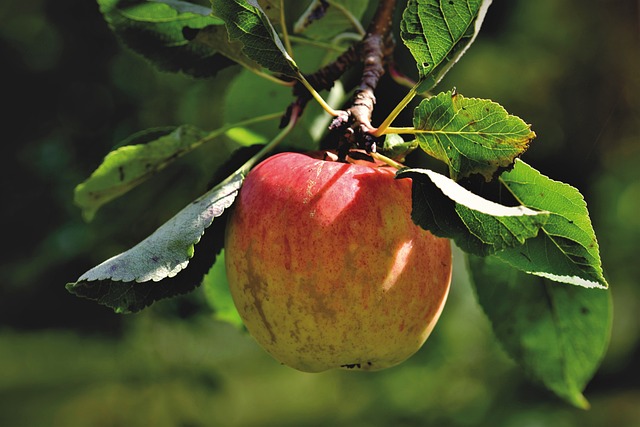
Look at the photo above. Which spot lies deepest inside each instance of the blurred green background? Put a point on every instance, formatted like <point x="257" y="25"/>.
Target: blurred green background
<point x="71" y="92"/>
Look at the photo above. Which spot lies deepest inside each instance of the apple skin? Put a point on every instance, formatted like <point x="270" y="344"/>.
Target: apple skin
<point x="326" y="268"/>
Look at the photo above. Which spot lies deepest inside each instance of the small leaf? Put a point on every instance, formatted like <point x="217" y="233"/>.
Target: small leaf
<point x="566" y="250"/>
<point x="396" y="147"/>
<point x="470" y="135"/>
<point x="130" y="165"/>
<point x="438" y="33"/>
<point x="558" y="334"/>
<point x="161" y="255"/>
<point x="248" y="24"/>
<point x="477" y="225"/>
<point x="216" y="290"/>
<point x="158" y="30"/>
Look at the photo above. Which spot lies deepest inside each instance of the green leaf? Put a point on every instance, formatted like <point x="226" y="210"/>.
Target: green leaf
<point x="216" y="290"/>
<point x="125" y="281"/>
<point x="130" y="165"/>
<point x="217" y="38"/>
<point x="470" y="135"/>
<point x="438" y="33"/>
<point x="145" y="153"/>
<point x="185" y="6"/>
<point x="248" y="24"/>
<point x="250" y="89"/>
<point x="477" y="225"/>
<point x="324" y="21"/>
<point x="566" y="250"/>
<point x="558" y="334"/>
<point x="159" y="31"/>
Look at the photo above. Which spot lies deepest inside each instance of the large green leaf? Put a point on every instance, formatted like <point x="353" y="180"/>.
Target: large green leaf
<point x="249" y="89"/>
<point x="566" y="250"/>
<point x="557" y="333"/>
<point x="217" y="38"/>
<point x="477" y="225"/>
<point x="126" y="282"/>
<point x="248" y="24"/>
<point x="148" y="152"/>
<point x="160" y="31"/>
<point x="470" y="135"/>
<point x="438" y="32"/>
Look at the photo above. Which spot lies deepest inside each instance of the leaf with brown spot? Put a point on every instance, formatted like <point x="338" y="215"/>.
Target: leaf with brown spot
<point x="144" y="154"/>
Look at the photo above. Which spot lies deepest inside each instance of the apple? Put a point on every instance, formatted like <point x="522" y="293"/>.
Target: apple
<point x="326" y="268"/>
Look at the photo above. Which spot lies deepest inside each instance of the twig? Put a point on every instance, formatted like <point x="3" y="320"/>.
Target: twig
<point x="373" y="51"/>
<point x="377" y="46"/>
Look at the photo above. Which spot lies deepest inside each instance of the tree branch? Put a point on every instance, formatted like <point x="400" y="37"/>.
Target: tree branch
<point x="377" y="46"/>
<point x="354" y="124"/>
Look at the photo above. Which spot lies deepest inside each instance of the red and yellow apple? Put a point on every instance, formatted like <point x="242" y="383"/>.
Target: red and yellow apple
<point x="326" y="268"/>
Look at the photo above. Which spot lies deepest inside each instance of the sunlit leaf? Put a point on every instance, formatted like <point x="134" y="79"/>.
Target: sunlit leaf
<point x="438" y="33"/>
<point x="566" y="250"/>
<point x="119" y="282"/>
<point x="217" y="38"/>
<point x="557" y="333"/>
<point x="477" y="225"/>
<point x="248" y="24"/>
<point x="470" y="135"/>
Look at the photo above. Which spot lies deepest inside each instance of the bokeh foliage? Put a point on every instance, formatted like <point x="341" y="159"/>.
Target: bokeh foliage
<point x="73" y="92"/>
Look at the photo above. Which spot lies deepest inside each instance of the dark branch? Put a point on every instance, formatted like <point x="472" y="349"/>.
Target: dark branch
<point x="376" y="47"/>
<point x="354" y="124"/>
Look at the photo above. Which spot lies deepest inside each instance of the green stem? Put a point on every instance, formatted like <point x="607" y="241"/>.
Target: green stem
<point x="349" y="37"/>
<point x="400" y="130"/>
<point x="326" y="107"/>
<point x="382" y="129"/>
<point x="216" y="133"/>
<point x="249" y="164"/>
<point x="271" y="78"/>
<point x="310" y="42"/>
<point x="347" y="13"/>
<point x="285" y="34"/>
